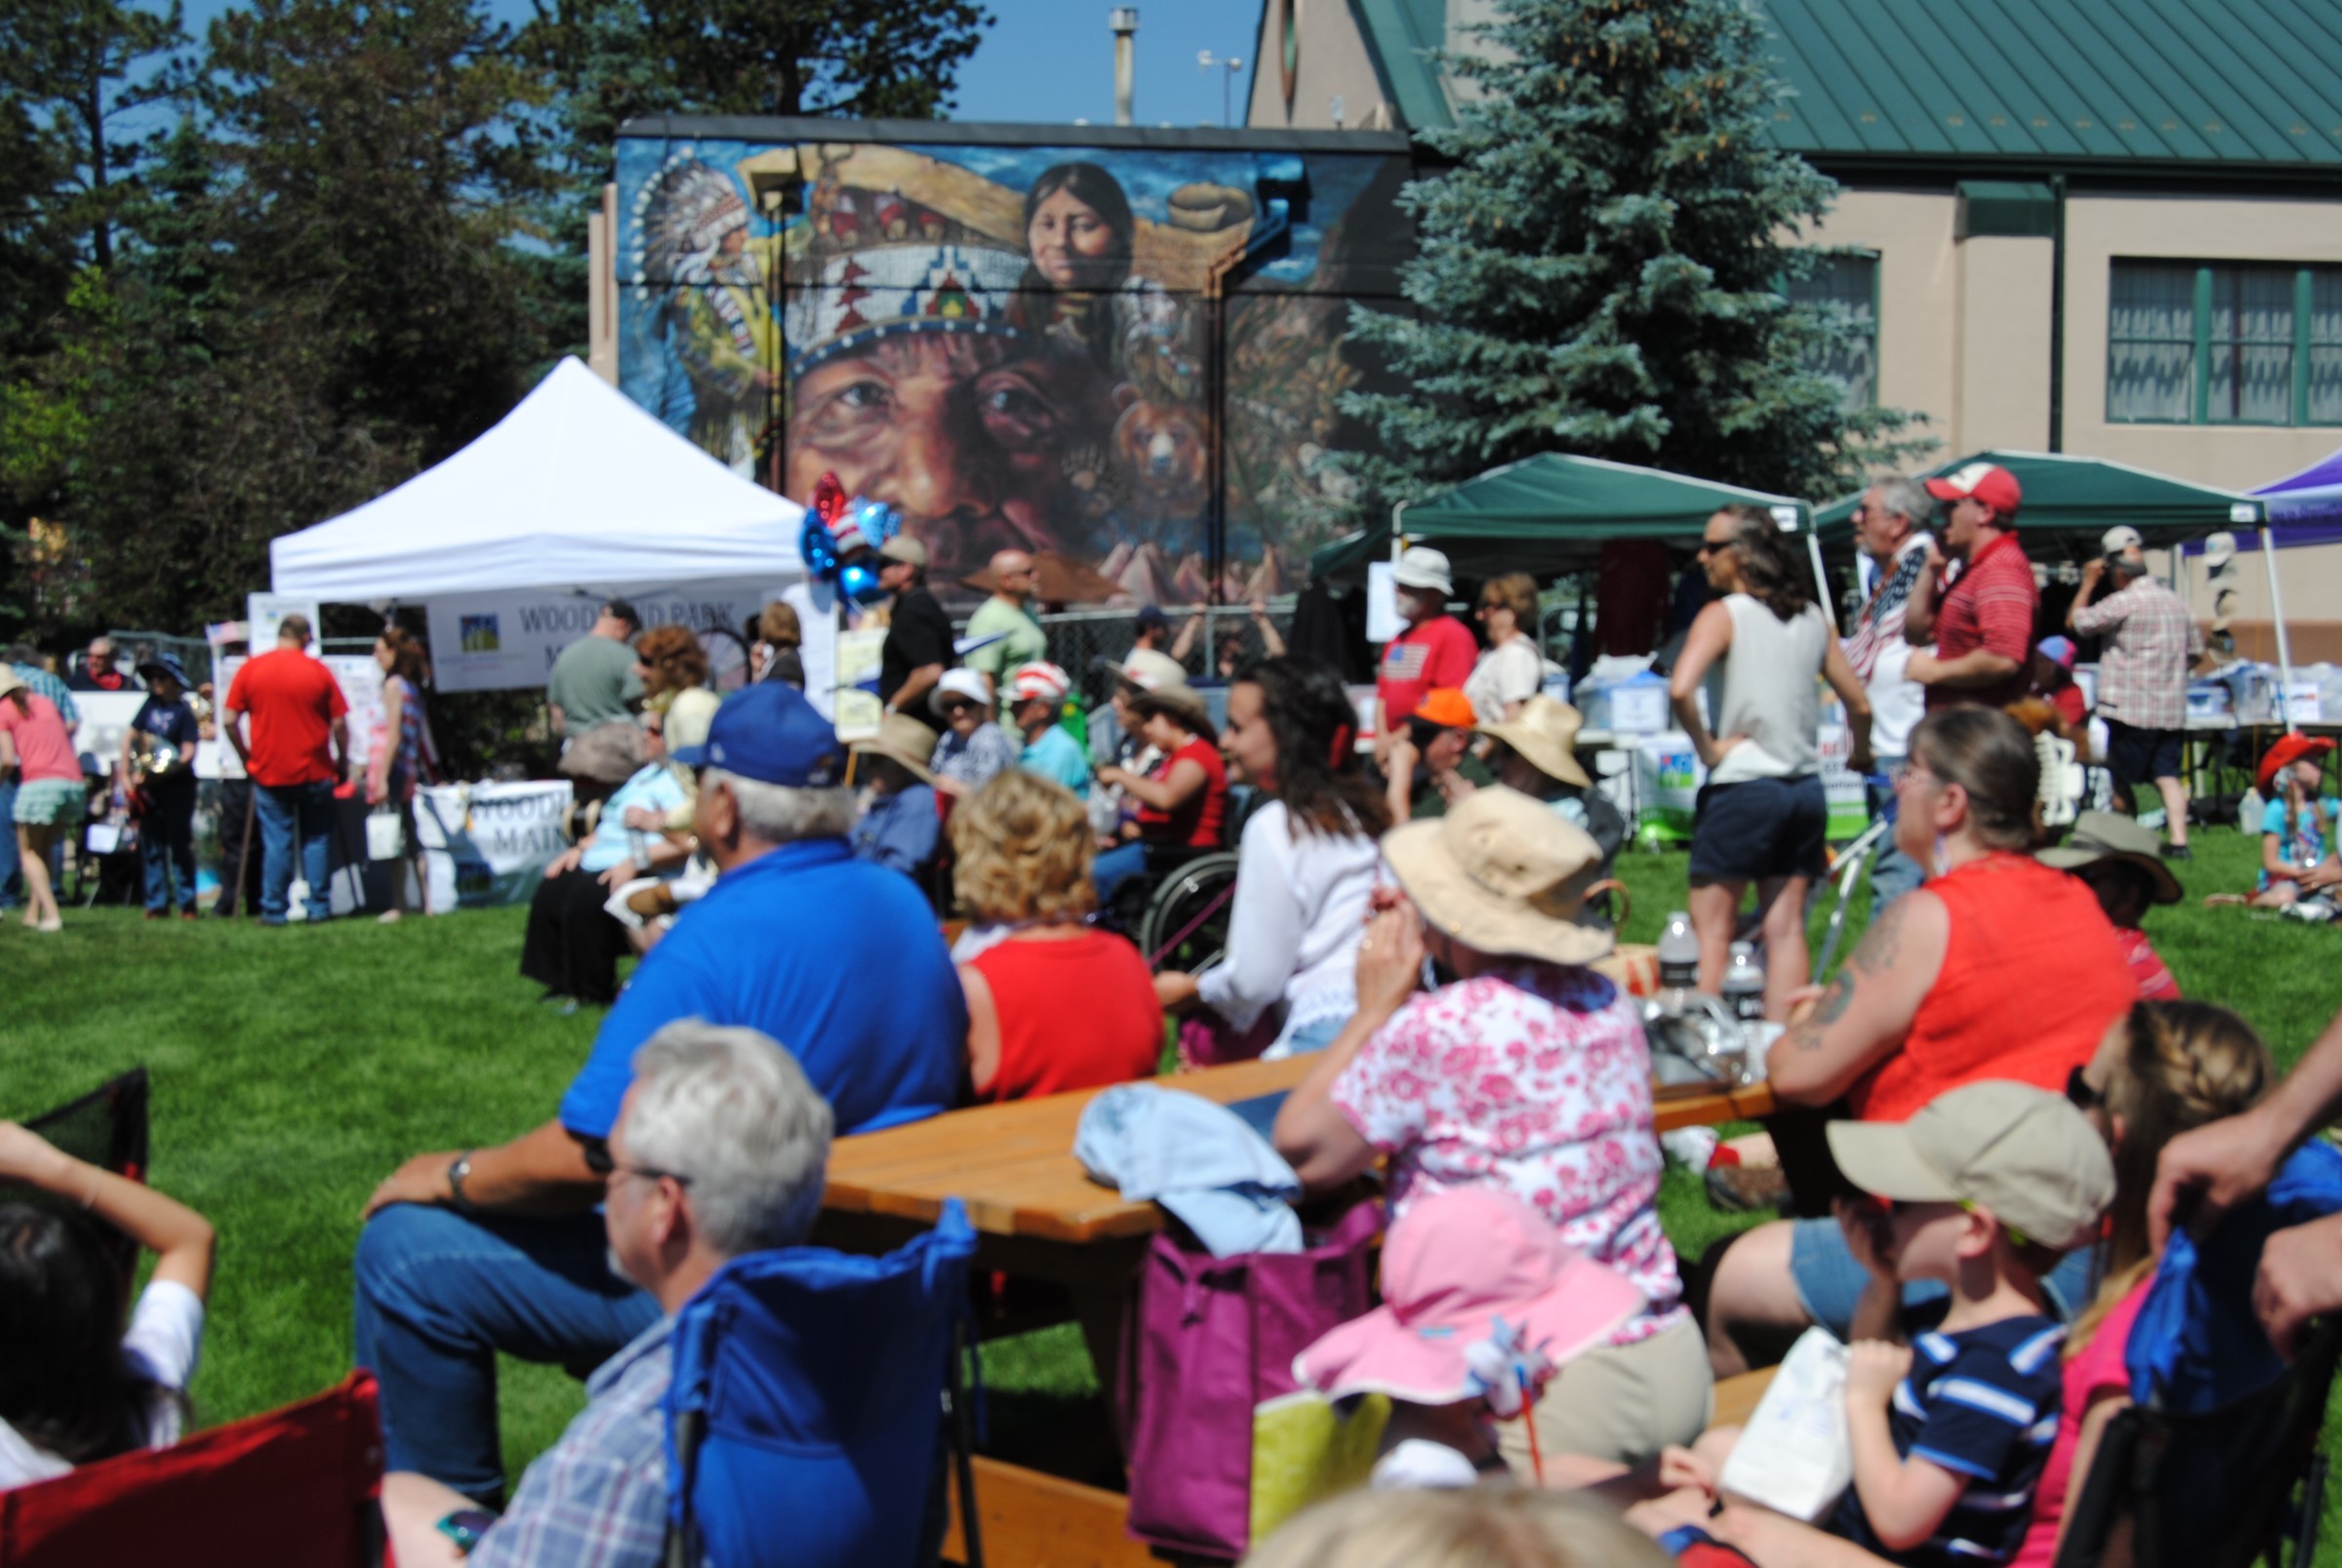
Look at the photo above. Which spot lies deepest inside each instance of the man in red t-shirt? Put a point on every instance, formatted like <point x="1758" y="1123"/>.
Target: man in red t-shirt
<point x="1982" y="624"/>
<point x="298" y="750"/>
<point x="1437" y="650"/>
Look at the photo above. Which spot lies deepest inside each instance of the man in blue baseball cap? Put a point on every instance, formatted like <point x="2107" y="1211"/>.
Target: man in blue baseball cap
<point x="467" y="1253"/>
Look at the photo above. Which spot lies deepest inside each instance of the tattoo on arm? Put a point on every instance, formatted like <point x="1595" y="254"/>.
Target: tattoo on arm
<point x="1881" y="945"/>
<point x="1807" y="1036"/>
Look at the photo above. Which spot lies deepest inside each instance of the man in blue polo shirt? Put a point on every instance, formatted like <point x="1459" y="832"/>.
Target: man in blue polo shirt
<point x="467" y="1253"/>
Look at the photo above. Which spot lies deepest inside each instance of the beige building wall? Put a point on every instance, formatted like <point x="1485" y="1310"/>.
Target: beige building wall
<point x="1334" y="66"/>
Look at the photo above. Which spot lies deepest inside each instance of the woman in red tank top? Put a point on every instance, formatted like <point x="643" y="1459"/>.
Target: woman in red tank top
<point x="1997" y="967"/>
<point x="1185" y="799"/>
<point x="1055" y="1004"/>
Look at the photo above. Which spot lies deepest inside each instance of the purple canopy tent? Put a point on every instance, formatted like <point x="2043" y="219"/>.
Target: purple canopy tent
<point x="2304" y="508"/>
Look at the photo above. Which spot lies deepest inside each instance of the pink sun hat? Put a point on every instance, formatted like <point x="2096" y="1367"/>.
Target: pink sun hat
<point x="1480" y="1298"/>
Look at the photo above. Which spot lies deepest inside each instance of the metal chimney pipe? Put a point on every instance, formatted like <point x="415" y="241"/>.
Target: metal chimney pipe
<point x="1124" y="19"/>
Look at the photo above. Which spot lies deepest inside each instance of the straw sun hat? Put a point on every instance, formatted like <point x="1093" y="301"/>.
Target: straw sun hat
<point x="904" y="739"/>
<point x="1504" y="874"/>
<point x="1546" y="735"/>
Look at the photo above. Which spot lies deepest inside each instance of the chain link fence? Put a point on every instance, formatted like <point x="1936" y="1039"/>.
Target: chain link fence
<point x="1212" y="641"/>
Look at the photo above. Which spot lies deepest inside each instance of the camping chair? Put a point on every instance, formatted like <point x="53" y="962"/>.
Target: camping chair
<point x="106" y="1128"/>
<point x="805" y="1421"/>
<point x="294" y="1488"/>
<point x="2210" y="1489"/>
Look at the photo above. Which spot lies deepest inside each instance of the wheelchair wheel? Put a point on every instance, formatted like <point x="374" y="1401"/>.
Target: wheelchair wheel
<point x="1186" y="919"/>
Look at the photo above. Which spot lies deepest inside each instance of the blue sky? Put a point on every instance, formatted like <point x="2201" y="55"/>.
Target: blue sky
<point x="1053" y="60"/>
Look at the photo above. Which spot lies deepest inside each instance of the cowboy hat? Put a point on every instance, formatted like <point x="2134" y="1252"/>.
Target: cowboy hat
<point x="904" y="739"/>
<point x="1481" y="1296"/>
<point x="2289" y="749"/>
<point x="2103" y="836"/>
<point x="1546" y="735"/>
<point x="1178" y="699"/>
<point x="1503" y="874"/>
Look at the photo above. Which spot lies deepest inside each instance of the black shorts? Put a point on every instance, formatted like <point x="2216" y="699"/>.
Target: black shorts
<point x="2136" y="756"/>
<point x="1760" y="829"/>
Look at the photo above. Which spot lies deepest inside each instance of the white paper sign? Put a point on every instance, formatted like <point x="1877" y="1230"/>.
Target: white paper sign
<point x="1383" y="620"/>
<point x="267" y="611"/>
<point x="486" y="642"/>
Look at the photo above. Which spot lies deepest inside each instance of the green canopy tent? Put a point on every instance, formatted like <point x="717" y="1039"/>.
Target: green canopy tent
<point x="1552" y="514"/>
<point x="2071" y="500"/>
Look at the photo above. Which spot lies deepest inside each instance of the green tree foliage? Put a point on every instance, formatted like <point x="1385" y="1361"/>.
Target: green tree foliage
<point x="1600" y="272"/>
<point x="76" y="69"/>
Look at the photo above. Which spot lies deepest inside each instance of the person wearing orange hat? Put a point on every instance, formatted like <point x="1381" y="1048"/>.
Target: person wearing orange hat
<point x="1430" y="765"/>
<point x="2297" y="824"/>
<point x="1982" y="622"/>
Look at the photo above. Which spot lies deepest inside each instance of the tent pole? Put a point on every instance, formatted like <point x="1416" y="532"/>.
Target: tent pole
<point x="1821" y="580"/>
<point x="2276" y="618"/>
<point x="1397" y="536"/>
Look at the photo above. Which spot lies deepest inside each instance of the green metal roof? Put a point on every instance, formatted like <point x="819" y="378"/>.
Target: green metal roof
<point x="1551" y="513"/>
<point x="2238" y="84"/>
<point x="2074" y="500"/>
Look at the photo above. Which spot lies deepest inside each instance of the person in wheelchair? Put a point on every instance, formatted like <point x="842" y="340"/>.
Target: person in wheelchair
<point x="1305" y="862"/>
<point x="1183" y="801"/>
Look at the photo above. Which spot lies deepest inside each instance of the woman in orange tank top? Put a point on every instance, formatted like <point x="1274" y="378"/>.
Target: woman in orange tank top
<point x="1055" y="1004"/>
<point x="1997" y="967"/>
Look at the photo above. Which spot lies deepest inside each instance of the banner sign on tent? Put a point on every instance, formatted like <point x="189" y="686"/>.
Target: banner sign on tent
<point x="485" y="642"/>
<point x="489" y="843"/>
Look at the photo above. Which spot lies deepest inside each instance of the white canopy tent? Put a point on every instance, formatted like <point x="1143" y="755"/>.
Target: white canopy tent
<point x="578" y="489"/>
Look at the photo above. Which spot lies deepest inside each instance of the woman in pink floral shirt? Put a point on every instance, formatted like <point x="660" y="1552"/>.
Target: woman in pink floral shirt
<point x="1530" y="1072"/>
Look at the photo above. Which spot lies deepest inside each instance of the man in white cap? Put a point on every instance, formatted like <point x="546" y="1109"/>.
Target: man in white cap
<point x="918" y="635"/>
<point x="2150" y="643"/>
<point x="1435" y="650"/>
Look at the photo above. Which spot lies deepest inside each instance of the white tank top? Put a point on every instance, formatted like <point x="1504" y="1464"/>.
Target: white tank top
<point x="1765" y="687"/>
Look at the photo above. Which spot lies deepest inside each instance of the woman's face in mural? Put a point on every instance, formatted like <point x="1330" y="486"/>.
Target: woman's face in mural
<point x="965" y="433"/>
<point x="1070" y="244"/>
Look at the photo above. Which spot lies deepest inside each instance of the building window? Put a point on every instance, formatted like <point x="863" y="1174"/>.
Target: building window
<point x="1845" y="284"/>
<point x="2227" y="345"/>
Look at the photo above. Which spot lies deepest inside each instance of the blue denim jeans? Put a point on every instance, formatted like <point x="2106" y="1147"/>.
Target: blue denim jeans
<point x="167" y="844"/>
<point x="439" y="1294"/>
<point x="1115" y="867"/>
<point x="1894" y="873"/>
<point x="12" y="877"/>
<point x="287" y="812"/>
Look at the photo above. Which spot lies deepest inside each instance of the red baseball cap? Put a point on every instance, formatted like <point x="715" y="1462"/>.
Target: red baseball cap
<point x="1988" y="482"/>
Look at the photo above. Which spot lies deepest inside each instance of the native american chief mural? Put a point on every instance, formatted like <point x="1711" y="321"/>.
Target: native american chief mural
<point x="1056" y="348"/>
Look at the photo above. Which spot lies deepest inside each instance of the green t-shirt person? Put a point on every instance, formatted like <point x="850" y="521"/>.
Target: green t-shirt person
<point x="593" y="682"/>
<point x="1022" y="642"/>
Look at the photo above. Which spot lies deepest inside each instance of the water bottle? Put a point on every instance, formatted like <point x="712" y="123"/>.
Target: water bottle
<point x="1678" y="954"/>
<point x="1744" y="985"/>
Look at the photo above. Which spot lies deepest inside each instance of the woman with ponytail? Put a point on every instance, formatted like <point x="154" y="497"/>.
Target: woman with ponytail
<point x="1307" y="860"/>
<point x="400" y="749"/>
<point x="2165" y="1069"/>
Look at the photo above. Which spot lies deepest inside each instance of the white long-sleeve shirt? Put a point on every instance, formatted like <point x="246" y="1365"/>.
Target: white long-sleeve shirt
<point x="1293" y="936"/>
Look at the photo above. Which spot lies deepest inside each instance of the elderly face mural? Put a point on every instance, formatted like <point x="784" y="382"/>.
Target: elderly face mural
<point x="1027" y="347"/>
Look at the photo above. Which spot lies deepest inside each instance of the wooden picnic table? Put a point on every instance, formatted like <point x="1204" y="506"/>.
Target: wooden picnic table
<point x="1037" y="1214"/>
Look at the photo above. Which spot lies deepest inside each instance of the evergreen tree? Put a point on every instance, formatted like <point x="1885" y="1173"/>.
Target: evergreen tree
<point x="76" y="68"/>
<point x="1600" y="272"/>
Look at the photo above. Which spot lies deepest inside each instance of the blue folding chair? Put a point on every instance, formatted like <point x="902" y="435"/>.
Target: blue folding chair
<point x="806" y="1423"/>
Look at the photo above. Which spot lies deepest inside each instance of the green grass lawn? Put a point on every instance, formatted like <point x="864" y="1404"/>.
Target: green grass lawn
<point x="292" y="1069"/>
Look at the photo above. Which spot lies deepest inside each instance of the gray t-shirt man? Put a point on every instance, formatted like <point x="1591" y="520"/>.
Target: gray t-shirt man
<point x="593" y="681"/>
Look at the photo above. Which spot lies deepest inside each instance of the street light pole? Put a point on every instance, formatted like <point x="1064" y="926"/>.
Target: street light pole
<point x="1205" y="59"/>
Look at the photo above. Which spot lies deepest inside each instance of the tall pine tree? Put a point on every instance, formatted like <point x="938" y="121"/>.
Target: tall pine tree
<point x="1601" y="272"/>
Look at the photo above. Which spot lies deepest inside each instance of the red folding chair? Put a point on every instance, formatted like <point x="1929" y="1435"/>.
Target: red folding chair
<point x="294" y="1488"/>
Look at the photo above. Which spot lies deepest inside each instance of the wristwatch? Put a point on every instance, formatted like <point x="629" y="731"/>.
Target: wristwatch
<point x="455" y="1173"/>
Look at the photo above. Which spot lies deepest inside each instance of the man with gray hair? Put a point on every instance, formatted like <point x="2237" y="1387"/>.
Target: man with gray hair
<point x="1890" y="527"/>
<point x="469" y="1252"/>
<point x="718" y="1151"/>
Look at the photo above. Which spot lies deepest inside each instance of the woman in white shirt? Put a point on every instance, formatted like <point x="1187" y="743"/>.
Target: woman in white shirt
<point x="83" y="1378"/>
<point x="1761" y="648"/>
<point x="1306" y="861"/>
<point x="1511" y="670"/>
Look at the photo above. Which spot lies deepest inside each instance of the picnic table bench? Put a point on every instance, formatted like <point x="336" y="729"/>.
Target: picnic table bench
<point x="1038" y="1216"/>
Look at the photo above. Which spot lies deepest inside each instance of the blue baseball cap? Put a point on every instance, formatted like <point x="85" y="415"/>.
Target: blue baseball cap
<point x="771" y="734"/>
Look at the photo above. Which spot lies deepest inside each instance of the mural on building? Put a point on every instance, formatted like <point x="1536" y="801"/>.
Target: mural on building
<point x="1017" y="345"/>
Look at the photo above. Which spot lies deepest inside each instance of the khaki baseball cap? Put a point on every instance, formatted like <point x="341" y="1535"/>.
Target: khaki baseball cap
<point x="903" y="547"/>
<point x="2020" y="1151"/>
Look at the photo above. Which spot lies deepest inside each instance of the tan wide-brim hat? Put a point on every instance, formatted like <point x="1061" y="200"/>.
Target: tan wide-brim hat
<point x="1504" y="874"/>
<point x="1179" y="699"/>
<point x="904" y="739"/>
<point x="10" y="682"/>
<point x="2104" y="835"/>
<point x="1547" y="735"/>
